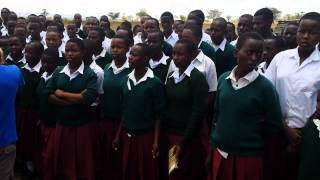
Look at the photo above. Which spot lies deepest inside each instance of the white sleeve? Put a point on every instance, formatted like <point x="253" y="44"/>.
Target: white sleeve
<point x="100" y="78"/>
<point x="211" y="76"/>
<point x="271" y="72"/>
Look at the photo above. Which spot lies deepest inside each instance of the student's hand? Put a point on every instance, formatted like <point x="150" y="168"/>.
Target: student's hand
<point x="115" y="143"/>
<point x="59" y="93"/>
<point x="155" y="150"/>
<point x="177" y="151"/>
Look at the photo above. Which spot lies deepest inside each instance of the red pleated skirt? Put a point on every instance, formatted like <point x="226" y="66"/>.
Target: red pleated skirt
<point x="237" y="167"/>
<point x="137" y="159"/>
<point x="74" y="152"/>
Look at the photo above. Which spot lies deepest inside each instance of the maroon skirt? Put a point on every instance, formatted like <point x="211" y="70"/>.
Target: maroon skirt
<point x="44" y="151"/>
<point x="137" y="159"/>
<point x="26" y="129"/>
<point x="191" y="163"/>
<point x="108" y="160"/>
<point x="237" y="167"/>
<point x="74" y="152"/>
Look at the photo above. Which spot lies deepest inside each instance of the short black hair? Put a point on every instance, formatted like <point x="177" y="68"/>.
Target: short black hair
<point x="126" y="24"/>
<point x="146" y="51"/>
<point x="248" y="16"/>
<point x="311" y="16"/>
<point x="179" y="21"/>
<point x="167" y="14"/>
<point x="88" y="45"/>
<point x="196" y="19"/>
<point x="248" y="35"/>
<point x="159" y="34"/>
<point x="155" y="20"/>
<point x="199" y="14"/>
<point x="58" y="25"/>
<point x="100" y="31"/>
<point x="51" y="52"/>
<point x="22" y="40"/>
<point x="77" y="41"/>
<point x="279" y="42"/>
<point x="38" y="45"/>
<point x="196" y="30"/>
<point x="191" y="47"/>
<point x="130" y="35"/>
<point x="232" y="25"/>
<point x="126" y="39"/>
<point x="266" y="13"/>
<point x="223" y="21"/>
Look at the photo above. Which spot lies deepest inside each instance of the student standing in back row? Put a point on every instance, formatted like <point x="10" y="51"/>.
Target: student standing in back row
<point x="166" y="22"/>
<point x="247" y="113"/>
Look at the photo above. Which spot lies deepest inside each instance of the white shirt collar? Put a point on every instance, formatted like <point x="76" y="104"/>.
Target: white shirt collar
<point x="23" y="59"/>
<point x="148" y="74"/>
<point x="221" y="46"/>
<point x="178" y="78"/>
<point x="244" y="81"/>
<point x="36" y="68"/>
<point x="199" y="56"/>
<point x="117" y="70"/>
<point x="45" y="76"/>
<point x="262" y="68"/>
<point x="101" y="55"/>
<point x="314" y="56"/>
<point x="66" y="71"/>
<point x="153" y="64"/>
<point x="172" y="35"/>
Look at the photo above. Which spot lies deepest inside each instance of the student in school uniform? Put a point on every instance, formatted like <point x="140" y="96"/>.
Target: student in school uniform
<point x="247" y="114"/>
<point x="290" y="34"/>
<point x="194" y="32"/>
<point x="143" y="105"/>
<point x="72" y="89"/>
<point x="271" y="47"/>
<point x="115" y="74"/>
<point x="159" y="62"/>
<point x="198" y="15"/>
<point x="223" y="50"/>
<point x="244" y="25"/>
<point x="15" y="55"/>
<point x="186" y="90"/>
<point x="21" y="32"/>
<point x="34" y="31"/>
<point x="230" y="32"/>
<point x="101" y="55"/>
<point x="126" y="33"/>
<point x="166" y="22"/>
<point x="294" y="73"/>
<point x="53" y="40"/>
<point x="179" y="28"/>
<point x="77" y="19"/>
<point x="262" y="21"/>
<point x="27" y="104"/>
<point x="141" y="36"/>
<point x="71" y="32"/>
<point x="45" y="129"/>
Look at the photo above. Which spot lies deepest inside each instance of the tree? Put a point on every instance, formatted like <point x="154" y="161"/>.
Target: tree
<point x="142" y="12"/>
<point x="114" y="15"/>
<point x="228" y="18"/>
<point x="183" y="17"/>
<point x="212" y="14"/>
<point x="44" y="12"/>
<point x="276" y="13"/>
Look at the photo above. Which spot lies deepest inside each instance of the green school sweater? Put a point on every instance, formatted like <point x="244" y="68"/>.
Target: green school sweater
<point x="75" y="114"/>
<point x="142" y="105"/>
<point x="46" y="110"/>
<point x="167" y="49"/>
<point x="62" y="61"/>
<point x="225" y="60"/>
<point x="208" y="50"/>
<point x="103" y="61"/>
<point x="111" y="99"/>
<point x="186" y="106"/>
<point x="161" y="70"/>
<point x="245" y="117"/>
<point x="28" y="95"/>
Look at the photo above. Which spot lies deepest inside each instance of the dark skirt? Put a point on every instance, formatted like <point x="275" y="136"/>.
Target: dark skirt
<point x="26" y="128"/>
<point x="74" y="152"/>
<point x="237" y="167"/>
<point x="137" y="159"/>
<point x="44" y="151"/>
<point x="109" y="160"/>
<point x="191" y="162"/>
<point x="309" y="168"/>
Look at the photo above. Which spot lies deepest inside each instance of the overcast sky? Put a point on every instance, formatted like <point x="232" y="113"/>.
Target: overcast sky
<point x="155" y="7"/>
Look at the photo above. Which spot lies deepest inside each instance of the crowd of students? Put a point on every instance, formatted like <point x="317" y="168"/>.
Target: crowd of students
<point x="94" y="103"/>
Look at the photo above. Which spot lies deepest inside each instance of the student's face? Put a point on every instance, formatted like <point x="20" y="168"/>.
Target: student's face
<point x="94" y="36"/>
<point x="244" y="25"/>
<point x="166" y="24"/>
<point x="249" y="54"/>
<point x="21" y="32"/>
<point x="21" y="23"/>
<point x="188" y="34"/>
<point x="71" y="30"/>
<point x="154" y="42"/>
<point x="73" y="53"/>
<point x="34" y="30"/>
<point x="48" y="63"/>
<point x="180" y="55"/>
<point x="179" y="30"/>
<point x="53" y="39"/>
<point x="136" y="57"/>
<point x="230" y="33"/>
<point x="137" y="30"/>
<point x="308" y="34"/>
<point x="77" y="20"/>
<point x="218" y="32"/>
<point x="57" y="18"/>
<point x="5" y="14"/>
<point x="91" y="23"/>
<point x="150" y="26"/>
<point x="290" y="35"/>
<point x="260" y="25"/>
<point x="11" y="25"/>
<point x="15" y="46"/>
<point x="104" y="26"/>
<point x="31" y="54"/>
<point x="269" y="50"/>
<point x="118" y="48"/>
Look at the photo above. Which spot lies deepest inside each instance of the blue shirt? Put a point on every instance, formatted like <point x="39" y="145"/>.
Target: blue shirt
<point x="11" y="80"/>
